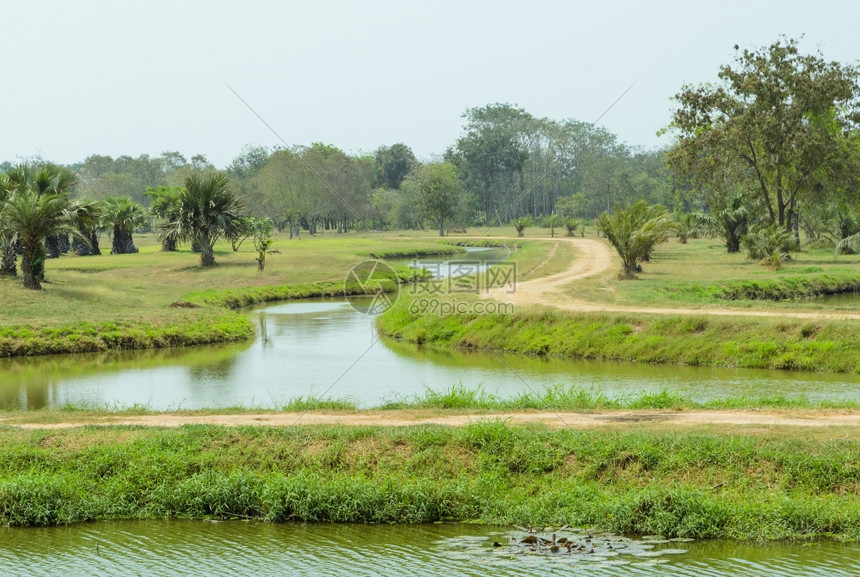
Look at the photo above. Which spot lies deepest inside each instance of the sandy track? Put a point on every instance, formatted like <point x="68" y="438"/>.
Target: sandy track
<point x="602" y="419"/>
<point x="594" y="258"/>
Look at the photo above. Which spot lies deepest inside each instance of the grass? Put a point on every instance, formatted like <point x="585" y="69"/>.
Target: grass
<point x="702" y="483"/>
<point x="701" y="273"/>
<point x="573" y="398"/>
<point x="118" y="302"/>
<point x="770" y="342"/>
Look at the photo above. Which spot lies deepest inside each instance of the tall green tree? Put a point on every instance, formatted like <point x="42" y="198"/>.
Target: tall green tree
<point x="782" y="115"/>
<point x="208" y="210"/>
<point x="393" y="164"/>
<point x="440" y="192"/>
<point x="491" y="156"/>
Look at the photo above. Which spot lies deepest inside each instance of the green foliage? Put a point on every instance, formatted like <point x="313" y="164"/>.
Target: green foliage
<point x="34" y="217"/>
<point x="521" y="224"/>
<point x="393" y="164"/>
<point x="571" y="224"/>
<point x="687" y="340"/>
<point x="261" y="229"/>
<point x="440" y="192"/>
<point x="634" y="232"/>
<point x="769" y="245"/>
<point x="785" y="288"/>
<point x="208" y="210"/>
<point x="125" y="216"/>
<point x="776" y="122"/>
<point x="699" y="484"/>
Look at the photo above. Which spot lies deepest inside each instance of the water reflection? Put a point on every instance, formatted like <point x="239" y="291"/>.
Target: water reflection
<point x="170" y="548"/>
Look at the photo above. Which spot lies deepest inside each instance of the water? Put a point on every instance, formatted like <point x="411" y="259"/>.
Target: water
<point x="325" y="349"/>
<point x="176" y="548"/>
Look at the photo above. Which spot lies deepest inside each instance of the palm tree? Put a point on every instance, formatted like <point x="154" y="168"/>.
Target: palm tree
<point x="86" y="215"/>
<point x="208" y="210"/>
<point x="634" y="232"/>
<point x="125" y="216"/>
<point x="164" y="205"/>
<point x="8" y="236"/>
<point x="45" y="180"/>
<point x="50" y="179"/>
<point x="34" y="217"/>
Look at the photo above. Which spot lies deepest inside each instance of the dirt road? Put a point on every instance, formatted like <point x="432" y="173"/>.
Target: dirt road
<point x="594" y="258"/>
<point x="600" y="419"/>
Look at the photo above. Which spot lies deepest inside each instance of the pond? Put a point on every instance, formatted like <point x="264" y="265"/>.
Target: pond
<point x="171" y="548"/>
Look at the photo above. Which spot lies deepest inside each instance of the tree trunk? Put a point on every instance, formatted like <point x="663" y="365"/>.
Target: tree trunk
<point x="52" y="246"/>
<point x="30" y="280"/>
<point x="441" y="228"/>
<point x="207" y="252"/>
<point x="168" y="244"/>
<point x="207" y="256"/>
<point x="123" y="243"/>
<point x="63" y="242"/>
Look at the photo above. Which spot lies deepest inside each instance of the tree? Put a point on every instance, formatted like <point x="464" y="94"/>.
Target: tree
<point x="46" y="179"/>
<point x="164" y="205"/>
<point x="86" y="216"/>
<point x="393" y="164"/>
<point x="34" y="217"/>
<point x="208" y="210"/>
<point x="261" y="228"/>
<point x="125" y="216"/>
<point x="521" y="224"/>
<point x="8" y="235"/>
<point x="634" y="231"/>
<point x="490" y="157"/>
<point x="782" y="116"/>
<point x="439" y="192"/>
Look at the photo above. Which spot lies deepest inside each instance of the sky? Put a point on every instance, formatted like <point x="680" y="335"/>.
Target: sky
<point x="125" y="77"/>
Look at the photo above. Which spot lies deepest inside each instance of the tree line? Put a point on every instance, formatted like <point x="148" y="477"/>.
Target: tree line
<point x="768" y="150"/>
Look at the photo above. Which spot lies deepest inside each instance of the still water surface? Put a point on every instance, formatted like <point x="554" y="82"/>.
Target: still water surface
<point x="170" y="548"/>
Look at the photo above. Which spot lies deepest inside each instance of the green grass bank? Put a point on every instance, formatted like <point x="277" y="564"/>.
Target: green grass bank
<point x="751" y="342"/>
<point x="781" y="484"/>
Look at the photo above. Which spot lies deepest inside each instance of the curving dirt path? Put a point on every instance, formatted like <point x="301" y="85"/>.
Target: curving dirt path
<point x="594" y="258"/>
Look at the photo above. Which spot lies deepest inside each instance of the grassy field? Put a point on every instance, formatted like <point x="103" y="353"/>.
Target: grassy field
<point x="703" y="482"/>
<point x="701" y="273"/>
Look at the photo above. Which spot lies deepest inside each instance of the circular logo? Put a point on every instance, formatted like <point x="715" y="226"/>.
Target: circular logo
<point x="371" y="287"/>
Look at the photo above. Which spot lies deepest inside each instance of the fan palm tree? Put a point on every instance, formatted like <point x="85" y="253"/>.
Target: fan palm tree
<point x="34" y="217"/>
<point x="86" y="216"/>
<point x="125" y="216"/>
<point x="164" y="205"/>
<point x="208" y="210"/>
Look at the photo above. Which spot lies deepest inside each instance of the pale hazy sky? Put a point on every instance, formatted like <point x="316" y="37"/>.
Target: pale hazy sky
<point x="133" y="77"/>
